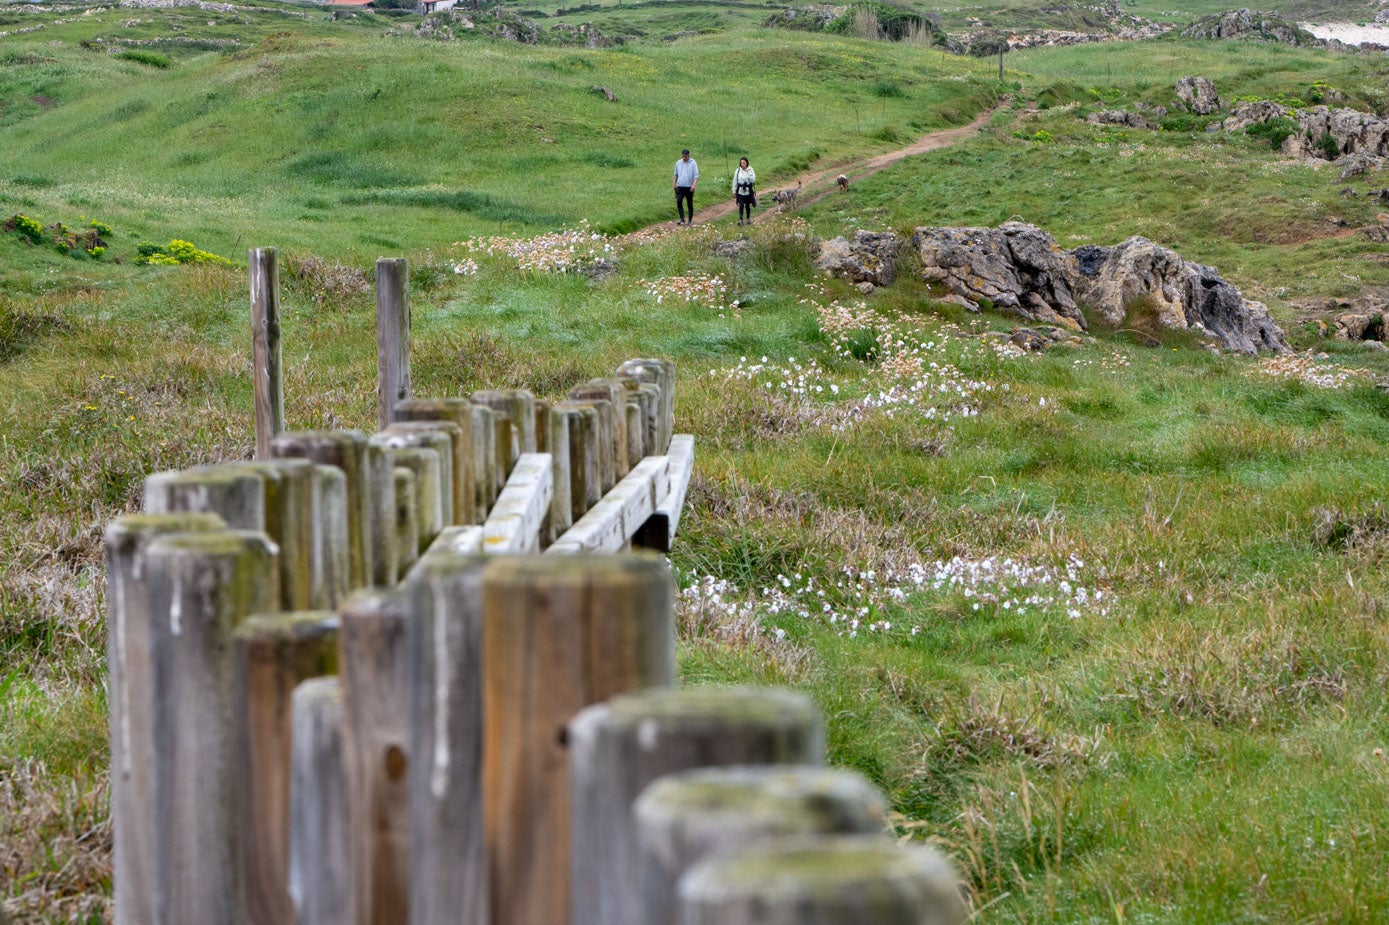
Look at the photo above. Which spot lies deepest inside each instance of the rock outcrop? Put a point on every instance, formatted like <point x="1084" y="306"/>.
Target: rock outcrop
<point x="1119" y="117"/>
<point x="1138" y="274"/>
<point x="1198" y="95"/>
<point x="1353" y="132"/>
<point x="1237" y="24"/>
<point x="1017" y="267"/>
<point x="1254" y="112"/>
<point x="1020" y="268"/>
<point x="871" y="257"/>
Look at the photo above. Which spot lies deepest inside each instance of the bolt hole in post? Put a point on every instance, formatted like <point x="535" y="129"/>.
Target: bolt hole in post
<point x="394" y="762"/>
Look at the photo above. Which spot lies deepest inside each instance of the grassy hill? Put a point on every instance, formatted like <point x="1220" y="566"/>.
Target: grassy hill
<point x="1105" y="622"/>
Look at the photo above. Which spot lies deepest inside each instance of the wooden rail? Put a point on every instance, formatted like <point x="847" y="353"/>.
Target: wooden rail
<point x="460" y="730"/>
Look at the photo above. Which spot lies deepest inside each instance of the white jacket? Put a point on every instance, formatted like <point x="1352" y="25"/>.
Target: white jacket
<point x="740" y="175"/>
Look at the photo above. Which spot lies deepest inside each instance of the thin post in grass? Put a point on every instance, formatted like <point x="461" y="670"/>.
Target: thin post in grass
<point x="448" y="885"/>
<point x="619" y="747"/>
<point x="374" y="667"/>
<point x="824" y="880"/>
<point x="319" y="878"/>
<point x="686" y="816"/>
<point x="558" y="635"/>
<point x="203" y="585"/>
<point x="274" y="653"/>
<point x="136" y="643"/>
<point x="392" y="335"/>
<point x="267" y="383"/>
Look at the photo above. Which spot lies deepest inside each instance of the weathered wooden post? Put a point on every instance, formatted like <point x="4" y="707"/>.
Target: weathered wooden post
<point x="374" y="667"/>
<point x="660" y="373"/>
<point x="319" y="883"/>
<point x="380" y="491"/>
<point x="289" y="509"/>
<point x="648" y="396"/>
<point x="556" y="431"/>
<point x="266" y="377"/>
<point x="618" y="747"/>
<point x="542" y="425"/>
<point x="519" y="407"/>
<point x="614" y="393"/>
<point x="580" y="421"/>
<point x="458" y="413"/>
<point x="203" y="585"/>
<point x="347" y="450"/>
<point x="430" y="458"/>
<point x="484" y="428"/>
<point x="407" y="521"/>
<point x="332" y="565"/>
<point x="136" y="644"/>
<point x="558" y="635"/>
<point x="273" y="655"/>
<point x="830" y="880"/>
<point x="238" y="497"/>
<point x="636" y="430"/>
<point x="392" y="335"/>
<point x="448" y="885"/>
<point x="439" y="437"/>
<point x="685" y="817"/>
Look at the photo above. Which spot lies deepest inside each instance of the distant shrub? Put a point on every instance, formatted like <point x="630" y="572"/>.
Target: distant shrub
<point x="37" y="182"/>
<point x="1180" y="122"/>
<point x="881" y="21"/>
<point x="1328" y="147"/>
<point x="1274" y="131"/>
<point x="27" y="227"/>
<point x="102" y="229"/>
<point x="176" y="252"/>
<point x="1041" y="135"/>
<point x="153" y="59"/>
<point x="612" y="161"/>
<point x="886" y="89"/>
<point x="21" y="326"/>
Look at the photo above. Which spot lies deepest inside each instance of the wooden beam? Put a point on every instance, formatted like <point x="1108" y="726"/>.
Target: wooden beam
<point x="659" y="530"/>
<point x="515" y="524"/>
<point x="611" y="523"/>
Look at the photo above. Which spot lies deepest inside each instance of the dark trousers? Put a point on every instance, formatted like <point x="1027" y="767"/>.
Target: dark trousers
<point x="684" y="194"/>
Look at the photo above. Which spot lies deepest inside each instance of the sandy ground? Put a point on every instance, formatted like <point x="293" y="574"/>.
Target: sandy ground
<point x="1351" y="34"/>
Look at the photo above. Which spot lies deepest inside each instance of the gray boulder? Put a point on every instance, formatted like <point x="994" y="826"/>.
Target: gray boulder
<point x="1198" y="95"/>
<point x="1238" y="24"/>
<point x="1016" y="266"/>
<point x="1358" y="164"/>
<point x="1118" y="117"/>
<point x="1256" y="112"/>
<point x="1139" y="274"/>
<point x="871" y="257"/>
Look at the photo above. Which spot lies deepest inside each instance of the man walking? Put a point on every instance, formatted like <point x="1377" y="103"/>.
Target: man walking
<point x="686" y="178"/>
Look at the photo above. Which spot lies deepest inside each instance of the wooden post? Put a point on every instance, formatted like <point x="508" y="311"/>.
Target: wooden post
<point x="617" y="748"/>
<point x="649" y="396"/>
<point x="660" y="373"/>
<point x="319" y="884"/>
<point x="484" y="430"/>
<point x="332" y="568"/>
<point x="137" y="642"/>
<point x="273" y="655"/>
<point x="685" y="817"/>
<point x="266" y="377"/>
<point x="289" y="509"/>
<point x="441" y="437"/>
<point x="430" y="458"/>
<point x="580" y="420"/>
<point x="542" y="425"/>
<point x="519" y="407"/>
<point x="345" y="449"/>
<point x="448" y="885"/>
<point x="392" y="335"/>
<point x="636" y="430"/>
<point x="407" y="521"/>
<point x="558" y="635"/>
<point x="659" y="530"/>
<point x="458" y="412"/>
<point x="556" y="432"/>
<point x="380" y="499"/>
<point x="201" y="585"/>
<point x="374" y="666"/>
<point x="238" y="497"/>
<point x="609" y="397"/>
<point x="830" y="880"/>
<point x="506" y="443"/>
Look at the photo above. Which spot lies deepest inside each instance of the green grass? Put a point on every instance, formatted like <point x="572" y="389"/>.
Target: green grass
<point x="1199" y="746"/>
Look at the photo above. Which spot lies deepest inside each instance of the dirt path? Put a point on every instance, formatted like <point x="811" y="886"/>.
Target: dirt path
<point x="816" y="185"/>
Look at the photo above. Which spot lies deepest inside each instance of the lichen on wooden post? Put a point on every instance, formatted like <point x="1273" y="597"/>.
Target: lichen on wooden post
<point x="289" y="485"/>
<point x="274" y="653"/>
<point x="618" y="747"/>
<point x="407" y="521"/>
<point x="685" y="817"/>
<point x="556" y="442"/>
<point x="380" y="491"/>
<point x="580" y="421"/>
<point x="558" y="634"/>
<point x="332" y="569"/>
<point x="829" y="880"/>
<point x="519" y="407"/>
<point x="439" y="436"/>
<point x="432" y="469"/>
<point x="660" y="373"/>
<point x="238" y="497"/>
<point x="484" y="430"/>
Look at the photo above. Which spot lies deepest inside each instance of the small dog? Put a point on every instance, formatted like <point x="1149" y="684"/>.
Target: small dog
<point x="841" y="181"/>
<point x="786" y="198"/>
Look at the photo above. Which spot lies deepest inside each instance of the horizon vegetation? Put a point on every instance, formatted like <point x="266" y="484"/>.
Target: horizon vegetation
<point x="1106" y="623"/>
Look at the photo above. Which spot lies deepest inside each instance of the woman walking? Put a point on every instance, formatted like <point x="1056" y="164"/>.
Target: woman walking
<point x="744" y="180"/>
